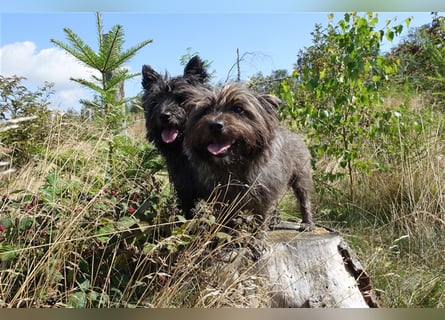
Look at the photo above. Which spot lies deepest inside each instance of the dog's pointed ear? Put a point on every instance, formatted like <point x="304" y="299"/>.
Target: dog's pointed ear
<point x="271" y="104"/>
<point x="195" y="69"/>
<point x="272" y="100"/>
<point x="149" y="76"/>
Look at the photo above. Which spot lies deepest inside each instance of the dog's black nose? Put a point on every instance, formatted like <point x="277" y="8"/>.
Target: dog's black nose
<point x="216" y="126"/>
<point x="165" y="116"/>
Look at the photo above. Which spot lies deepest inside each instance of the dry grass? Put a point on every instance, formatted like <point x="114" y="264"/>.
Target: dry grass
<point x="81" y="261"/>
<point x="396" y="223"/>
<point x="88" y="257"/>
<point x="397" y="220"/>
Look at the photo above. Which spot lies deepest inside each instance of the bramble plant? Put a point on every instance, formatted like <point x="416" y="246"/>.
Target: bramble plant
<point x="341" y="78"/>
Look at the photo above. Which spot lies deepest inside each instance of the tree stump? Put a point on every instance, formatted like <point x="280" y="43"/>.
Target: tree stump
<point x="314" y="269"/>
<point x="300" y="269"/>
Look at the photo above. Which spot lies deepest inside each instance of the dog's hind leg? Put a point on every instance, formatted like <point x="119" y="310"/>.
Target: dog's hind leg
<point x="302" y="187"/>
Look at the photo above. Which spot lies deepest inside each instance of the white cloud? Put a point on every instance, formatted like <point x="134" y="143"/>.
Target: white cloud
<point x="51" y="65"/>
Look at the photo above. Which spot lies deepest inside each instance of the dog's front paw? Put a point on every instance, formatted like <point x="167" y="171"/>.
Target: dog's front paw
<point x="307" y="226"/>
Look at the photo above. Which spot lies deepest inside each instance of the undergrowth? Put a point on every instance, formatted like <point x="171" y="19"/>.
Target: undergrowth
<point x="76" y="233"/>
<point x="396" y="223"/>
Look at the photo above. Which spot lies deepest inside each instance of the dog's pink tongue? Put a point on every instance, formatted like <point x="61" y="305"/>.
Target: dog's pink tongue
<point x="169" y="135"/>
<point x="218" y="148"/>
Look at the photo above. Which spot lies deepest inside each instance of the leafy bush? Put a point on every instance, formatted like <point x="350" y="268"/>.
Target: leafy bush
<point x="339" y="98"/>
<point x="17" y="101"/>
<point x="421" y="55"/>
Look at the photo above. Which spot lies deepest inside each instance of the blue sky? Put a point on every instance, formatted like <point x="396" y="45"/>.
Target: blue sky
<point x="273" y="37"/>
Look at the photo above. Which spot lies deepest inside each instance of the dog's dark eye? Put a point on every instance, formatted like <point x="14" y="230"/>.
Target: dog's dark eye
<point x="238" y="109"/>
<point x="203" y="112"/>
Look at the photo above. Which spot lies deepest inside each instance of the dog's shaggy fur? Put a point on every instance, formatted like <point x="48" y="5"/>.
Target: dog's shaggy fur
<point x="165" y="119"/>
<point x="234" y="141"/>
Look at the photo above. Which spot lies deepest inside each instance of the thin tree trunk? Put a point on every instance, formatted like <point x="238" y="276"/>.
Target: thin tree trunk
<point x="238" y="78"/>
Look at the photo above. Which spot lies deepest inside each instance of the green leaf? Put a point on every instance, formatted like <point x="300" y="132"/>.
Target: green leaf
<point x="408" y="21"/>
<point x="17" y="191"/>
<point x="148" y="247"/>
<point x="389" y="69"/>
<point x="390" y="35"/>
<point x="7" y="222"/>
<point x="55" y="186"/>
<point x="126" y="223"/>
<point x="129" y="53"/>
<point x="7" y="252"/>
<point x="26" y="223"/>
<point x="224" y="236"/>
<point x="77" y="300"/>
<point x="398" y="29"/>
<point x="106" y="232"/>
<point x="376" y="78"/>
<point x="85" y="285"/>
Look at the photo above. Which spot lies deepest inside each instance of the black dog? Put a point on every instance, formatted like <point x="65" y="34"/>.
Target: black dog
<point x="165" y="119"/>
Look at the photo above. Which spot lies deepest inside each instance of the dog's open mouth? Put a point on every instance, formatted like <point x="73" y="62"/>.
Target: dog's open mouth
<point x="169" y="135"/>
<point x="219" y="148"/>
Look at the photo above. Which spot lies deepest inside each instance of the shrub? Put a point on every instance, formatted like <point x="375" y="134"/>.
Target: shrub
<point x="17" y="101"/>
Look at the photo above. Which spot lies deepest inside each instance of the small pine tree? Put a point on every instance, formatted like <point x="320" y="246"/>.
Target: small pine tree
<point x="108" y="61"/>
